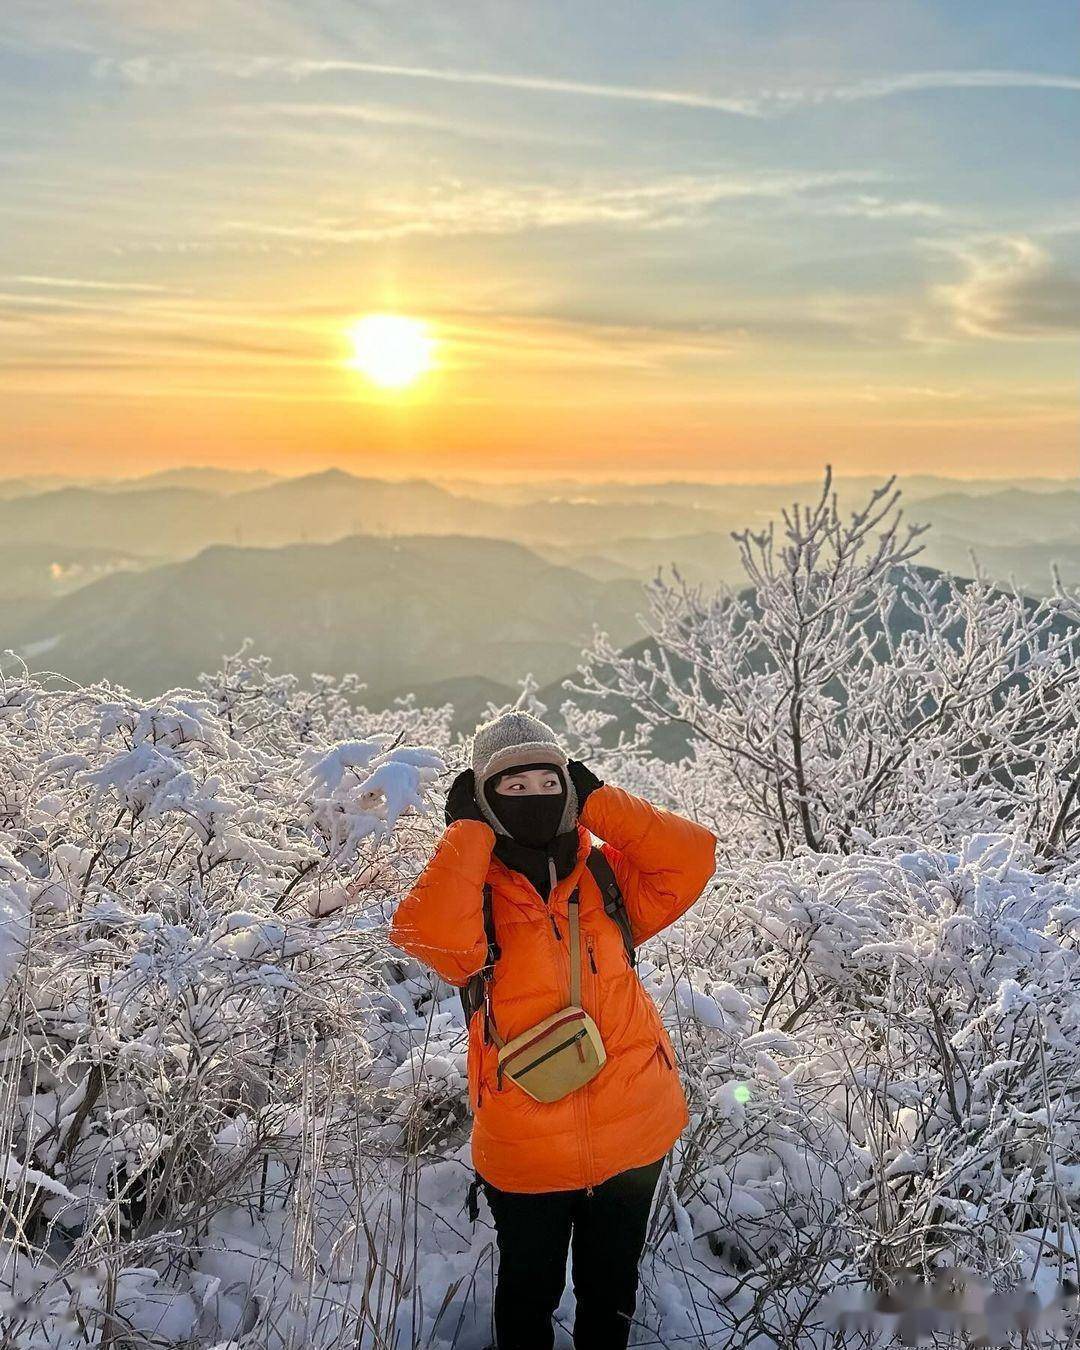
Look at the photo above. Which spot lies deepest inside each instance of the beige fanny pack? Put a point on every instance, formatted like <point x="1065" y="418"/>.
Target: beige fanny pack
<point x="564" y="1051"/>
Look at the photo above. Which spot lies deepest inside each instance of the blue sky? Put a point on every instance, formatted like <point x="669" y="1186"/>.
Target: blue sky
<point x="729" y="238"/>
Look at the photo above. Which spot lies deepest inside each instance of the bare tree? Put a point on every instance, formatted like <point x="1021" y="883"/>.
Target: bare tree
<point x="846" y="693"/>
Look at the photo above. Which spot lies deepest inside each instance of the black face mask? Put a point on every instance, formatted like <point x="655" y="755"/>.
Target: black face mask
<point x="531" y="817"/>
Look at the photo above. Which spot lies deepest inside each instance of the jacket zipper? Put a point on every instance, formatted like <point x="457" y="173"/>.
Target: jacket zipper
<point x="561" y="977"/>
<point x="479" y="1053"/>
<point x="589" y="984"/>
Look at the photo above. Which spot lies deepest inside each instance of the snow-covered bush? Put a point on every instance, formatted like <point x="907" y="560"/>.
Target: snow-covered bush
<point x="883" y="1052"/>
<point x="200" y="1029"/>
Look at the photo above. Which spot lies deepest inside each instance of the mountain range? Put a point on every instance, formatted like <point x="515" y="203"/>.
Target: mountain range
<point x="406" y="613"/>
<point x="449" y="589"/>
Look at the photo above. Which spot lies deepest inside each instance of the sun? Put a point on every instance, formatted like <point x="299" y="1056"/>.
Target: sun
<point x="391" y="350"/>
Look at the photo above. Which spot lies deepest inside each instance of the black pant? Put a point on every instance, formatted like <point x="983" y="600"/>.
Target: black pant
<point x="608" y="1234"/>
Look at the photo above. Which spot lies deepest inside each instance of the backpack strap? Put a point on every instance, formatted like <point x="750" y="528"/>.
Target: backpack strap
<point x="474" y="993"/>
<point x="614" y="904"/>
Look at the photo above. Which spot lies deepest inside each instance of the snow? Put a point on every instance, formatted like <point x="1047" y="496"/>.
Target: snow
<point x="781" y="1155"/>
<point x="14" y="1175"/>
<point x="14" y="916"/>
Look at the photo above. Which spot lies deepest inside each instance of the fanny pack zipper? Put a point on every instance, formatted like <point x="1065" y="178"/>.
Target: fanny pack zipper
<point x="575" y="1039"/>
<point x="570" y="1017"/>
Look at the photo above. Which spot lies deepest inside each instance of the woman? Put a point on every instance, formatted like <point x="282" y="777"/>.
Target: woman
<point x="586" y="1165"/>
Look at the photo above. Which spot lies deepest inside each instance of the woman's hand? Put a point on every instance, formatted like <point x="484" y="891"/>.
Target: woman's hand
<point x="461" y="799"/>
<point x="584" y="781"/>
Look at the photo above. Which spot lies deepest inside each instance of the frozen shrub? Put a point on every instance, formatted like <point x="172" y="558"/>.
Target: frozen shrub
<point x="197" y="1017"/>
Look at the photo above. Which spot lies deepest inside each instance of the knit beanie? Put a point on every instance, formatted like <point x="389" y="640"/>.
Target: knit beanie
<point x="509" y="741"/>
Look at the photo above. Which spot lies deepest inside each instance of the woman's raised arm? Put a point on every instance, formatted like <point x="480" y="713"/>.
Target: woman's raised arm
<point x="441" y="920"/>
<point x="662" y="861"/>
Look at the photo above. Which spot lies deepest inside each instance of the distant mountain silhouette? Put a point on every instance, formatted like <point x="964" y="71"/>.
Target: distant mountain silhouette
<point x="452" y="589"/>
<point x="709" y="556"/>
<point x="1017" y="531"/>
<point x="1030" y="564"/>
<point x="205" y="477"/>
<point x="179" y="521"/>
<point x="402" y="612"/>
<point x="671" y="739"/>
<point x="1013" y="516"/>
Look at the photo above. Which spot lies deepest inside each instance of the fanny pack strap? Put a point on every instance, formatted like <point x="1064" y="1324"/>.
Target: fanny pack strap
<point x="573" y="909"/>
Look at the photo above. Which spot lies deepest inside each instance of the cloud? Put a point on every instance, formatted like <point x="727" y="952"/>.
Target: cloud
<point x="912" y="82"/>
<point x="452" y="208"/>
<point x="152" y="69"/>
<point x="866" y="206"/>
<point x="85" y="284"/>
<point x="223" y="345"/>
<point x="753" y="103"/>
<point x="377" y="115"/>
<point x="1012" y="288"/>
<point x="547" y="342"/>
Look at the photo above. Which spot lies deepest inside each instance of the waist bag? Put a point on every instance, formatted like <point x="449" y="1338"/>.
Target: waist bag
<point x="564" y="1051"/>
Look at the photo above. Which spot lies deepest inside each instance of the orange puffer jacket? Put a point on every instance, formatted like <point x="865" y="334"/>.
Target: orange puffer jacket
<point x="632" y="1112"/>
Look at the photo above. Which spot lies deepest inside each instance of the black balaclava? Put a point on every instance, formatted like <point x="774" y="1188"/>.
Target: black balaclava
<point x="532" y="819"/>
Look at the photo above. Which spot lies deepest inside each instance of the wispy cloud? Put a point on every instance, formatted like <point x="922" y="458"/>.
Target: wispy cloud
<point x="749" y="103"/>
<point x="86" y="284"/>
<point x="911" y="82"/>
<point x="868" y="206"/>
<point x="317" y="115"/>
<point x="154" y="69"/>
<point x="453" y="208"/>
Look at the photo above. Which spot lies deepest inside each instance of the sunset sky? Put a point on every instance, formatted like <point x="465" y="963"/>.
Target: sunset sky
<point x="726" y="239"/>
